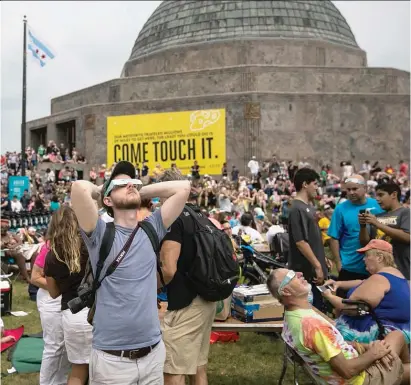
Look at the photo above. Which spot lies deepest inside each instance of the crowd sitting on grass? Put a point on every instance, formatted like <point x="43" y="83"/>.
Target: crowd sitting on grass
<point x="279" y="197"/>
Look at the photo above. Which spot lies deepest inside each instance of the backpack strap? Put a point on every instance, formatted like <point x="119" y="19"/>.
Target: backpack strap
<point x="106" y="245"/>
<point x="152" y="235"/>
<point x="193" y="215"/>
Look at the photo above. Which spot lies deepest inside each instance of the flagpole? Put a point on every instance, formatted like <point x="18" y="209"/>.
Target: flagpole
<point x="24" y="100"/>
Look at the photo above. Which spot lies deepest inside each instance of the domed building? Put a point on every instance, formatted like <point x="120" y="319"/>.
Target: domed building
<point x="289" y="75"/>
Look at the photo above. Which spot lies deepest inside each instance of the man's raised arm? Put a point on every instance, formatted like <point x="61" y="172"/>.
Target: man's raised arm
<point x="83" y="195"/>
<point x="175" y="193"/>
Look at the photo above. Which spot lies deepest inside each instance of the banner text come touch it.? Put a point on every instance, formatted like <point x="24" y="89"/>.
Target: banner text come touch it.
<point x="169" y="137"/>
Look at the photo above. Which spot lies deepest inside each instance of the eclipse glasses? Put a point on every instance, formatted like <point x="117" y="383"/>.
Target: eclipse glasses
<point x="121" y="183"/>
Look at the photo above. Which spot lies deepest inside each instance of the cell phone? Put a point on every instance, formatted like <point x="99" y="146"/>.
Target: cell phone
<point x="362" y="211"/>
<point x="323" y="288"/>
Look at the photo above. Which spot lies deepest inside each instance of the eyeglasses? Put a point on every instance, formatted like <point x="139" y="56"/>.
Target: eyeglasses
<point x="287" y="279"/>
<point x="121" y="183"/>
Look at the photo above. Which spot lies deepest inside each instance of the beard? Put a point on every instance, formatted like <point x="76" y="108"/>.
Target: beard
<point x="131" y="202"/>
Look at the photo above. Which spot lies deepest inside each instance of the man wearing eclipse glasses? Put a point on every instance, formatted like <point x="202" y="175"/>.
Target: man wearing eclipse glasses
<point x="331" y="359"/>
<point x="127" y="340"/>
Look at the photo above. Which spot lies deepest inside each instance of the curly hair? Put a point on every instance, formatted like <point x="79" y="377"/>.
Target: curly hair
<point x="170" y="175"/>
<point x="64" y="238"/>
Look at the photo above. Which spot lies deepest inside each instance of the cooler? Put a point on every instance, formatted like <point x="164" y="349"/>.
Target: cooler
<point x="6" y="296"/>
<point x="255" y="304"/>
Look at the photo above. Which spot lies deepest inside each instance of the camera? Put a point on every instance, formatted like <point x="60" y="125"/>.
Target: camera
<point x="85" y="299"/>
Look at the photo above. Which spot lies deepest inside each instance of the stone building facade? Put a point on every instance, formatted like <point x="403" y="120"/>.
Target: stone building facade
<point x="290" y="75"/>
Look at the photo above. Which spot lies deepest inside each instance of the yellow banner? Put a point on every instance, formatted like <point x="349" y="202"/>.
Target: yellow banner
<point x="169" y="137"/>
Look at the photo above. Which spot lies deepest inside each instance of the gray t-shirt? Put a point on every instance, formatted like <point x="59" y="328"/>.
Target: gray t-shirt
<point x="397" y="219"/>
<point x="303" y="226"/>
<point x="126" y="303"/>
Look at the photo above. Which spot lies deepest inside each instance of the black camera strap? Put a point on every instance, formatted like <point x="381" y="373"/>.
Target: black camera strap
<point x="110" y="270"/>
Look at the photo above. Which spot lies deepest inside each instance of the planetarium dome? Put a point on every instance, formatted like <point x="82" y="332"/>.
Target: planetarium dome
<point x="179" y="23"/>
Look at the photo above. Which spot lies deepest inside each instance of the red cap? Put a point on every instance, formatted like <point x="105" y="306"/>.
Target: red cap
<point x="377" y="244"/>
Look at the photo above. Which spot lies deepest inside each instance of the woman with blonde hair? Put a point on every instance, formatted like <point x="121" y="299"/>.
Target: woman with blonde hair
<point x="64" y="269"/>
<point x="54" y="363"/>
<point x="386" y="291"/>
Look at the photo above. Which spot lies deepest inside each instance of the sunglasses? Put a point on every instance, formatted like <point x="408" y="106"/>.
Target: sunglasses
<point x="287" y="279"/>
<point x="122" y="183"/>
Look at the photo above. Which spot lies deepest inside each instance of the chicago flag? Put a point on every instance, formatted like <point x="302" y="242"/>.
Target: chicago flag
<point x="40" y="51"/>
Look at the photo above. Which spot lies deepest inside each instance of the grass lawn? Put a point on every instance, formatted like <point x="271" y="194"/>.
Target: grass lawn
<point x="254" y="360"/>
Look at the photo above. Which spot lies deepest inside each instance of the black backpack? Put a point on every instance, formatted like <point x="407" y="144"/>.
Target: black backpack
<point x="214" y="272"/>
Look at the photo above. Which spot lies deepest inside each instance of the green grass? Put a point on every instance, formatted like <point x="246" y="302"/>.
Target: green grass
<point x="31" y="324"/>
<point x="253" y="360"/>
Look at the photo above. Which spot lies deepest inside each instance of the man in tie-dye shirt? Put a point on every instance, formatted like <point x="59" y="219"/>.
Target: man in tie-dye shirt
<point x="332" y="360"/>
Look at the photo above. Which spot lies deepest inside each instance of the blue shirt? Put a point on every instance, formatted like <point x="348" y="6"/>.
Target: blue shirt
<point x="54" y="206"/>
<point x="346" y="229"/>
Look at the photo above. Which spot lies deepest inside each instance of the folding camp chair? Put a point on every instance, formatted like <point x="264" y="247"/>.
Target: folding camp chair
<point x="291" y="356"/>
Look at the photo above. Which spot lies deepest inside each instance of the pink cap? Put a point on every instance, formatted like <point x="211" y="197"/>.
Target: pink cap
<point x="377" y="244"/>
<point x="216" y="223"/>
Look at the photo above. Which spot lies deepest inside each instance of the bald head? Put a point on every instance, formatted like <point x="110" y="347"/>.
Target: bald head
<point x="355" y="179"/>
<point x="355" y="187"/>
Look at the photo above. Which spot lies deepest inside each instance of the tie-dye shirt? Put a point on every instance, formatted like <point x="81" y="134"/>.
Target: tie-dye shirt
<point x="317" y="341"/>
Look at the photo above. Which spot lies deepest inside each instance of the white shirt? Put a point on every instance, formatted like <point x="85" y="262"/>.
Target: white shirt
<point x="272" y="231"/>
<point x="366" y="167"/>
<point x="259" y="212"/>
<point x="372" y="183"/>
<point x="50" y="177"/>
<point x="16" y="206"/>
<point x="13" y="159"/>
<point x="347" y="170"/>
<point x="253" y="166"/>
<point x="104" y="216"/>
<point x="254" y="234"/>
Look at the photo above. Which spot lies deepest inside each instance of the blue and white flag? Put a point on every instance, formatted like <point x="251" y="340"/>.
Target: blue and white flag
<point x="40" y="51"/>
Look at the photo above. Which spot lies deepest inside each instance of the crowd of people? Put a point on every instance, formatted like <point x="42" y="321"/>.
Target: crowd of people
<point x="347" y="230"/>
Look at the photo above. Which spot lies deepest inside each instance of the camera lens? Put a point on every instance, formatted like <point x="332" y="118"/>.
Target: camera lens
<point x="76" y="305"/>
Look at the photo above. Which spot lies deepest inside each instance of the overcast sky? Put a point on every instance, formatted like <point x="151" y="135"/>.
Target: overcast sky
<point x="94" y="39"/>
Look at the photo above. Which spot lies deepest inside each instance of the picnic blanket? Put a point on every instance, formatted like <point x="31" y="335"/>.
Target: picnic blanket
<point x="27" y="354"/>
<point x="16" y="333"/>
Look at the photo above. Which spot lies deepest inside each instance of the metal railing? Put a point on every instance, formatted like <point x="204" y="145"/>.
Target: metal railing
<point x="38" y="219"/>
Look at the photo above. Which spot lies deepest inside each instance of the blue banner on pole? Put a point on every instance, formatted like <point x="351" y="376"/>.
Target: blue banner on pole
<point x="17" y="185"/>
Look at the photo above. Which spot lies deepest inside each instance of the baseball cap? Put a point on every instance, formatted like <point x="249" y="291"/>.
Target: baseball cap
<point x="377" y="244"/>
<point x="122" y="167"/>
